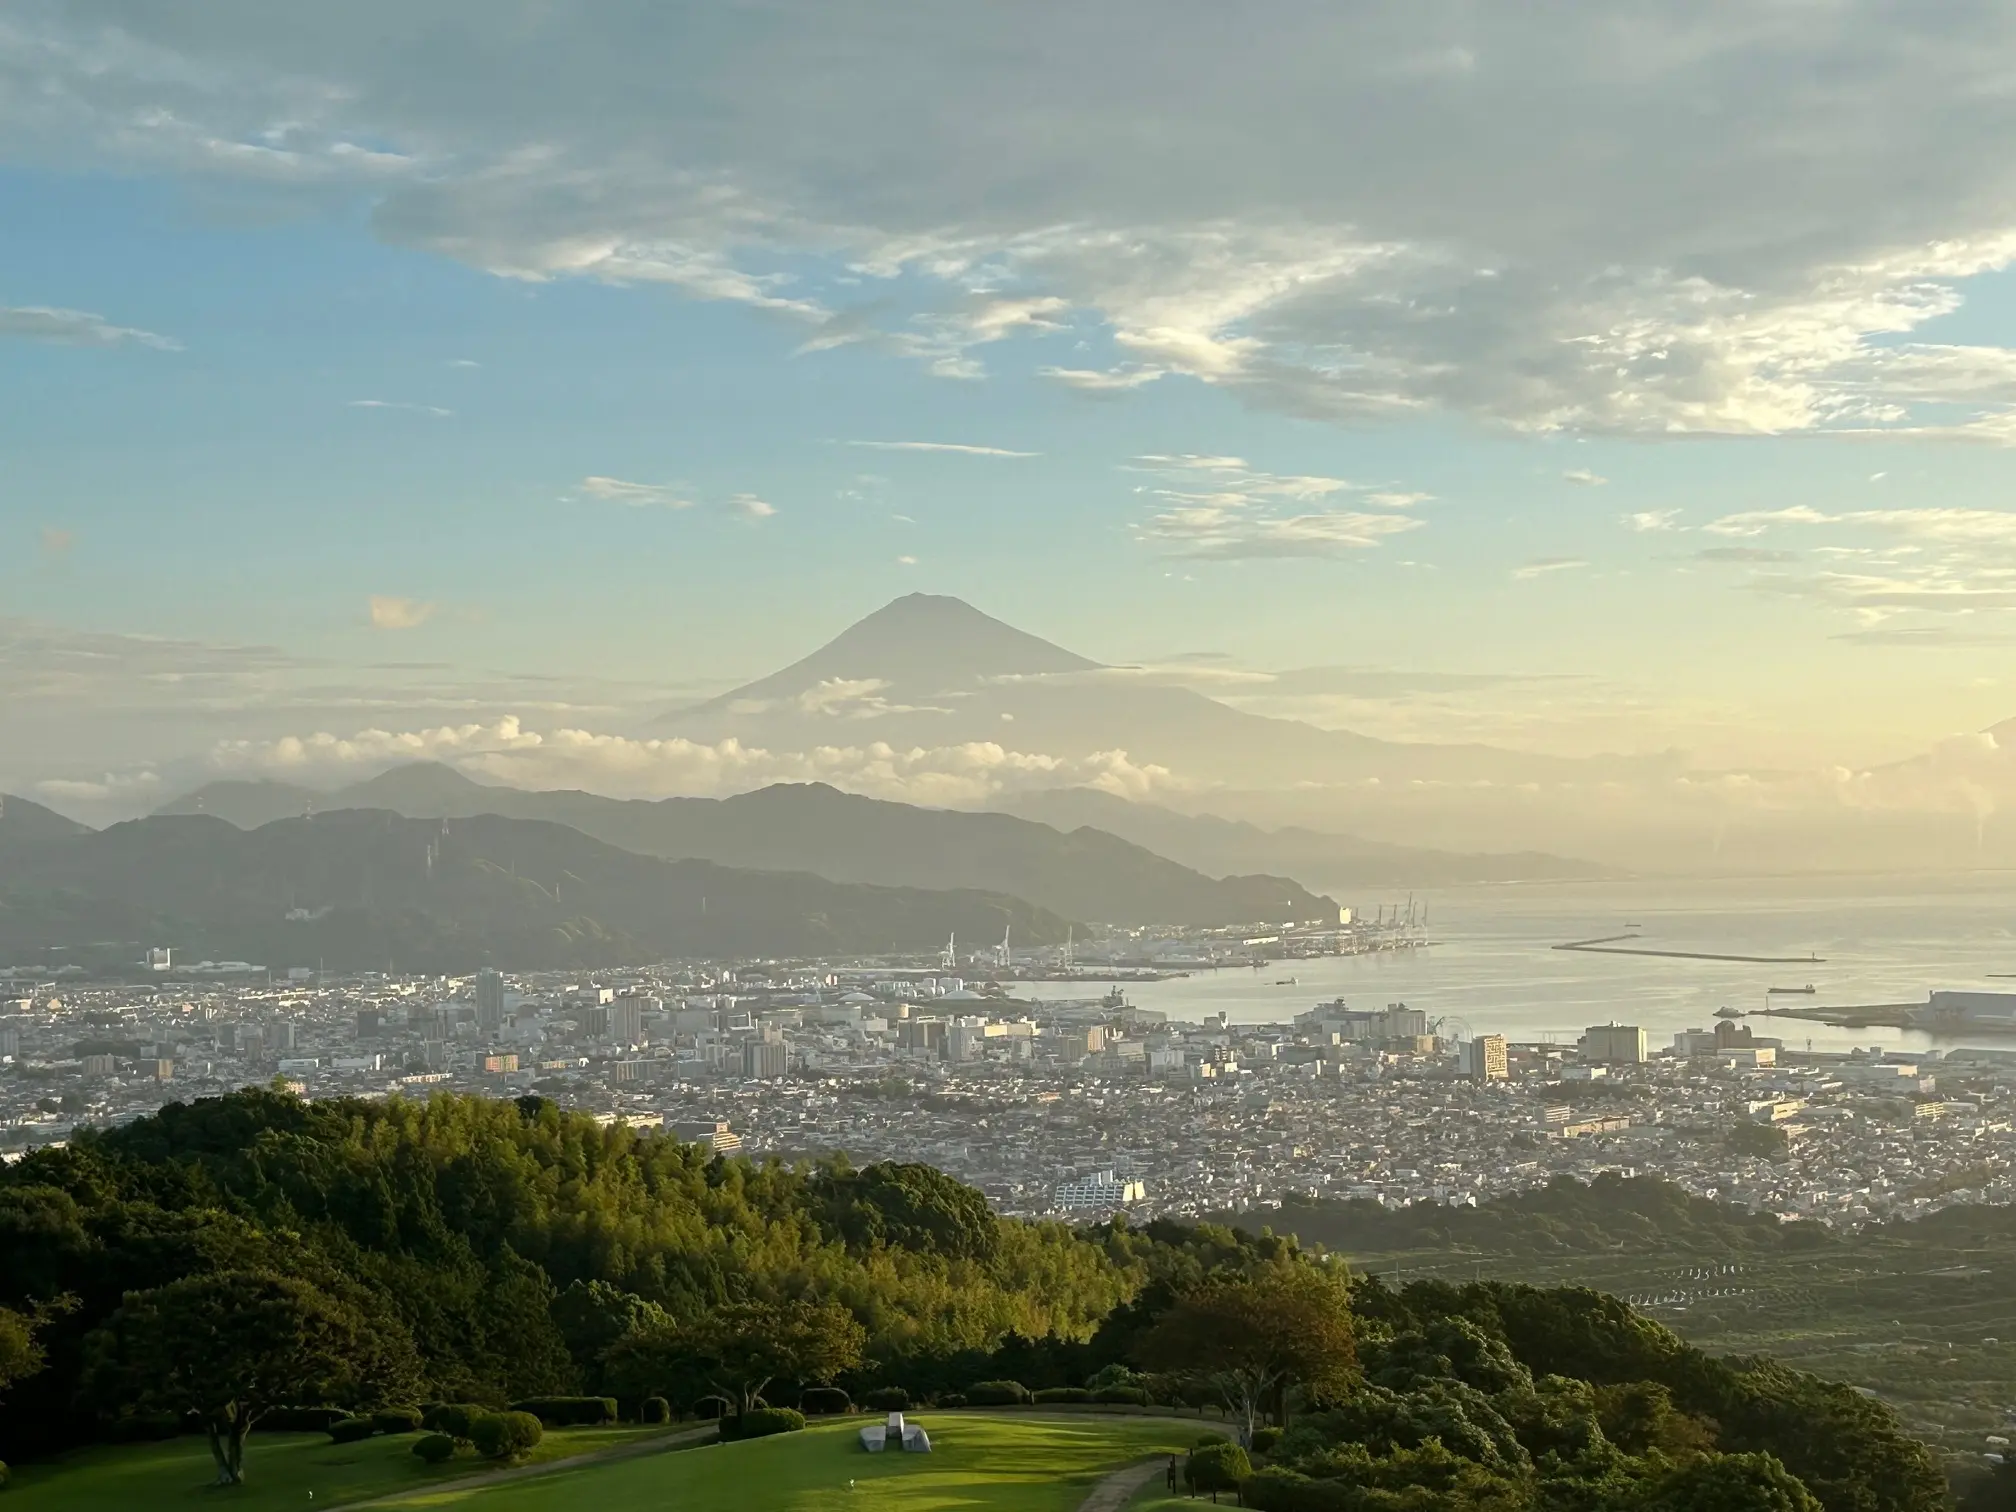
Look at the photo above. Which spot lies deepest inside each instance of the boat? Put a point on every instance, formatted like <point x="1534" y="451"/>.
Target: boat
<point x="1807" y="991"/>
<point x="1284" y="981"/>
<point x="1728" y="1013"/>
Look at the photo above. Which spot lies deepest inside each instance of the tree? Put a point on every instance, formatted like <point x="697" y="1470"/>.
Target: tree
<point x="740" y="1349"/>
<point x="1732" y="1483"/>
<point x="233" y="1345"/>
<point x="1252" y="1339"/>
<point x="593" y="1315"/>
<point x="1760" y="1140"/>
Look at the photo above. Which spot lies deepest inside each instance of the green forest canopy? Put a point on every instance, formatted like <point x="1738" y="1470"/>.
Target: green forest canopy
<point x="507" y="1250"/>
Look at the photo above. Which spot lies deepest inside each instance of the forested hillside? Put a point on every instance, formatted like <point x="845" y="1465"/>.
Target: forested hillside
<point x="245" y="1257"/>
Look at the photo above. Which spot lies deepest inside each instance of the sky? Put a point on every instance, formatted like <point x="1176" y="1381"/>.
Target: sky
<point x="1569" y="378"/>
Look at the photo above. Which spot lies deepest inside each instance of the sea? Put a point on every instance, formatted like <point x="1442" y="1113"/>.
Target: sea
<point x="1490" y="966"/>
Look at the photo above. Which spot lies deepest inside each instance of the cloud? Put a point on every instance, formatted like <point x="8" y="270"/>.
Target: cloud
<point x="1653" y="521"/>
<point x="52" y="664"/>
<point x="432" y="410"/>
<point x="1223" y="507"/>
<point x="1756" y="251"/>
<point x="750" y="507"/>
<point x="1749" y="554"/>
<point x="1541" y="567"/>
<point x="75" y="328"/>
<point x="389" y="613"/>
<point x="636" y="495"/>
<point x="55" y="542"/>
<point x="506" y="751"/>
<point x="943" y="446"/>
<point x="906" y="561"/>
<point x="1585" y="477"/>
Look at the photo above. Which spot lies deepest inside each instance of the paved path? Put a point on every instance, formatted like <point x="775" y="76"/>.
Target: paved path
<point x="1117" y="1489"/>
<point x="655" y="1445"/>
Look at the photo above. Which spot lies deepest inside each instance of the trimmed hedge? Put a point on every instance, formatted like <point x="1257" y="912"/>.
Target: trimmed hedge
<point x="997" y="1394"/>
<point x="1274" y="1490"/>
<point x="952" y="1399"/>
<point x="761" y="1423"/>
<point x="570" y="1411"/>
<point x="396" y="1420"/>
<point x="886" y="1399"/>
<point x="1265" y="1440"/>
<point x="824" y="1400"/>
<point x="1062" y="1394"/>
<point x="350" y="1430"/>
<point x="654" y="1410"/>
<point x="505" y="1435"/>
<point x="434" y="1448"/>
<point x="149" y="1427"/>
<point x="1217" y="1466"/>
<point x="300" y="1419"/>
<point x="1130" y="1396"/>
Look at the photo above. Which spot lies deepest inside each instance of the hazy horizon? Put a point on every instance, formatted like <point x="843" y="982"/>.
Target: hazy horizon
<point x="1606" y="418"/>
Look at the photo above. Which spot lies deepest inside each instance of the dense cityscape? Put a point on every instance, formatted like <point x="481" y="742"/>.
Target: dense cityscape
<point x="1077" y="1106"/>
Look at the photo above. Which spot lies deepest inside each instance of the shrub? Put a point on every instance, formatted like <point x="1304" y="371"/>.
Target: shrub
<point x="396" y="1420"/>
<point x="997" y="1394"/>
<point x="1265" y="1440"/>
<point x="5" y="1475"/>
<point x="654" y="1410"/>
<point x="350" y="1430"/>
<point x="1132" y="1396"/>
<point x="301" y="1419"/>
<point x="453" y="1419"/>
<point x="886" y="1399"/>
<point x="505" y="1435"/>
<point x="817" y="1400"/>
<point x="1276" y="1490"/>
<point x="569" y="1412"/>
<point x="1217" y="1466"/>
<point x="1116" y="1374"/>
<point x="761" y="1423"/>
<point x="434" y="1448"/>
<point x="1062" y="1394"/>
<point x="713" y="1407"/>
<point x="952" y="1399"/>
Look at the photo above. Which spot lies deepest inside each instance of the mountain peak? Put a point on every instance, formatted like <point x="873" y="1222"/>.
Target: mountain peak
<point x="920" y="644"/>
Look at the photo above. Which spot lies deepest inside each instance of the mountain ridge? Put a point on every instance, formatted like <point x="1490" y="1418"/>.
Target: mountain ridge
<point x="1084" y="874"/>
<point x="357" y="888"/>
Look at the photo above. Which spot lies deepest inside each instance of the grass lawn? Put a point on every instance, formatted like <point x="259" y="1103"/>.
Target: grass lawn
<point x="979" y="1462"/>
<point x="280" y="1470"/>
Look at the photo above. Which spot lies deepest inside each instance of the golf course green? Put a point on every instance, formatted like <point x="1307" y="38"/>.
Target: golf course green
<point x="980" y="1462"/>
<point x="282" y="1469"/>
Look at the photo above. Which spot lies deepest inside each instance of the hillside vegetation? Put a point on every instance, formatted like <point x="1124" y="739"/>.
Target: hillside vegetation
<point x="243" y="1254"/>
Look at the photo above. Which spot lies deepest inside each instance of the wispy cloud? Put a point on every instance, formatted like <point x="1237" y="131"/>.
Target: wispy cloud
<point x="1585" y="477"/>
<point x="76" y="328"/>
<point x="55" y="542"/>
<point x="750" y="507"/>
<point x="634" y="495"/>
<point x="433" y="410"/>
<point x="1221" y="506"/>
<point x="943" y="446"/>
<point x="1653" y="521"/>
<point x="1541" y="567"/>
<point x="390" y="613"/>
<point x="1752" y="555"/>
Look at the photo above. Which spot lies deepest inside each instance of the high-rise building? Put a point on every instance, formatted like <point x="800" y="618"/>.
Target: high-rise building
<point x="765" y="1060"/>
<point x="1614" y="1045"/>
<point x="489" y="1001"/>
<point x="626" y="1020"/>
<point x="1485" y="1059"/>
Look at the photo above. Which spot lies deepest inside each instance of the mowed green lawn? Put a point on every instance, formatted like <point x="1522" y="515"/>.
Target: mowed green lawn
<point x="280" y="1471"/>
<point x="979" y="1463"/>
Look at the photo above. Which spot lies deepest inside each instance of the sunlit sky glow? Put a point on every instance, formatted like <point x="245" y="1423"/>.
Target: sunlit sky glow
<point x="1572" y="380"/>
